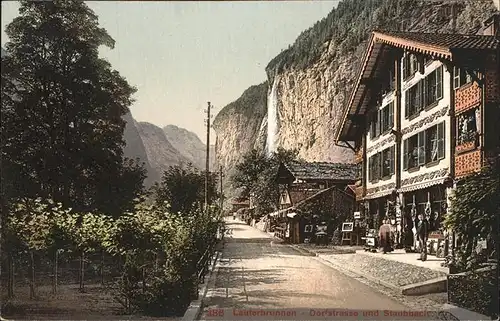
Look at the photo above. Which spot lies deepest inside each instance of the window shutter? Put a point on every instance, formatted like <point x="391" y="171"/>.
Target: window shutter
<point x="407" y="103"/>
<point x="370" y="169"/>
<point x="405" y="65"/>
<point x="421" y="64"/>
<point x="379" y="117"/>
<point x="439" y="83"/>
<point x="421" y="93"/>
<point x="392" y="158"/>
<point x="405" y="154"/>
<point x="441" y="140"/>
<point x="380" y="165"/>
<point x="456" y="77"/>
<point x="391" y="115"/>
<point x="421" y="148"/>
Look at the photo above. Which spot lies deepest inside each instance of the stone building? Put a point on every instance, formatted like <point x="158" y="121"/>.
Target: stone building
<point x="421" y="116"/>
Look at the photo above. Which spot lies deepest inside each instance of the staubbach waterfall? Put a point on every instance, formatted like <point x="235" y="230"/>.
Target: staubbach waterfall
<point x="272" y="118"/>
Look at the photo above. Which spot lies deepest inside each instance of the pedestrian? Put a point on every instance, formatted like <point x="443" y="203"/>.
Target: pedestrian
<point x="422" y="233"/>
<point x="384" y="235"/>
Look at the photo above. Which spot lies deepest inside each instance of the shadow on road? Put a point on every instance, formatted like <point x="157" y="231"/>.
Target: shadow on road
<point x="233" y="277"/>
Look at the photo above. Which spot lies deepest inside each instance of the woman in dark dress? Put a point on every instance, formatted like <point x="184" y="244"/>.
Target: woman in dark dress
<point x="385" y="237"/>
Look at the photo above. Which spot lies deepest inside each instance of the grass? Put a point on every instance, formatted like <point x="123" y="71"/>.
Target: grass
<point x="95" y="303"/>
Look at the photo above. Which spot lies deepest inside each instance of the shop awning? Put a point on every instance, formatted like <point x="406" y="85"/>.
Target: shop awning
<point x="379" y="194"/>
<point x="415" y="187"/>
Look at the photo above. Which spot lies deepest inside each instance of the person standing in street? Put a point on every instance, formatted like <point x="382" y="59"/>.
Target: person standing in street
<point x="422" y="232"/>
<point x="385" y="236"/>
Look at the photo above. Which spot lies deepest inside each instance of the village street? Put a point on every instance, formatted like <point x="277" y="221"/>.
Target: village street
<point x="257" y="272"/>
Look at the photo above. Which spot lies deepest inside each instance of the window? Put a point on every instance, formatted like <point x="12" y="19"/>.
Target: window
<point x="382" y="120"/>
<point x="431" y="144"/>
<point x="387" y="161"/>
<point x="414" y="99"/>
<point x="425" y="147"/>
<point x="374" y="168"/>
<point x="381" y="165"/>
<point x="410" y="65"/>
<point x="467" y="127"/>
<point x="389" y="82"/>
<point x="434" y="86"/>
<point x="387" y="118"/>
<point x="424" y="93"/>
<point x="460" y="77"/>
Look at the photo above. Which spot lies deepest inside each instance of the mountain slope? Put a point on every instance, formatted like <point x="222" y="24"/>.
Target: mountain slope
<point x="190" y="146"/>
<point x="240" y="127"/>
<point x="134" y="148"/>
<point x="161" y="153"/>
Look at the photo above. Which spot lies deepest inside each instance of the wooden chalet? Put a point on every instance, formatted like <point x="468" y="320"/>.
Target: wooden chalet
<point x="421" y="116"/>
<point x="302" y="184"/>
<point x="239" y="203"/>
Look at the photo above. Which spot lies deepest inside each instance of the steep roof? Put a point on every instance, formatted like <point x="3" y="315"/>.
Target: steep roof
<point x="323" y="170"/>
<point x="456" y="48"/>
<point x="437" y="43"/>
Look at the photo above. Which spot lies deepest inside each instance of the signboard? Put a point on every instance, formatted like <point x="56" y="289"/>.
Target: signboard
<point x="357" y="215"/>
<point x="347" y="227"/>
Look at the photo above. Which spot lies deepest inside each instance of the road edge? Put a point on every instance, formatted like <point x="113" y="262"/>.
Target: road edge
<point x="193" y="312"/>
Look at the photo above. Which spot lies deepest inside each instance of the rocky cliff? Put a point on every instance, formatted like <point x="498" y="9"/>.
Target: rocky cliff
<point x="240" y="127"/>
<point x="190" y="146"/>
<point x="315" y="75"/>
<point x="161" y="153"/>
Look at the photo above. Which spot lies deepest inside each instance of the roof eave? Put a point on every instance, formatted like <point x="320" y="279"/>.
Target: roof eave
<point x="439" y="51"/>
<point x="367" y="55"/>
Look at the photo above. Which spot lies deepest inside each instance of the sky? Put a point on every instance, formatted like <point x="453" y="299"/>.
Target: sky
<point x="181" y="55"/>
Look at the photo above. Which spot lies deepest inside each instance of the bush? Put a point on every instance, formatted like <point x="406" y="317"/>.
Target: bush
<point x="161" y="250"/>
<point x="476" y="291"/>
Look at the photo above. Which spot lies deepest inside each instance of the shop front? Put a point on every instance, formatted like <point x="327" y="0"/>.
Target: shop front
<point x="431" y="204"/>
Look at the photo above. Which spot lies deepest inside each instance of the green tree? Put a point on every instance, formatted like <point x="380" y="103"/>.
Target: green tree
<point x="256" y="175"/>
<point x="183" y="188"/>
<point x="62" y="123"/>
<point x="474" y="214"/>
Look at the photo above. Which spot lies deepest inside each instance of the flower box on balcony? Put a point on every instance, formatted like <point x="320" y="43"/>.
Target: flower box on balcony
<point x="465" y="147"/>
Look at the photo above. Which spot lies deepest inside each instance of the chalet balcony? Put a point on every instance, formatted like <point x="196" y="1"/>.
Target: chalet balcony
<point x="467" y="163"/>
<point x="467" y="97"/>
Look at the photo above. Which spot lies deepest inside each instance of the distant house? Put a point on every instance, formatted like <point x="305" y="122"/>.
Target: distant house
<point x="311" y="193"/>
<point x="299" y="180"/>
<point x="239" y="203"/>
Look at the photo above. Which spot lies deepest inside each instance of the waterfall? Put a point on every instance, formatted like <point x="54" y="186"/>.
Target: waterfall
<point x="272" y="117"/>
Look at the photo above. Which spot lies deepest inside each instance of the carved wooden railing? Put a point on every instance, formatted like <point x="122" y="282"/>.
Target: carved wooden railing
<point x="467" y="97"/>
<point x="467" y="163"/>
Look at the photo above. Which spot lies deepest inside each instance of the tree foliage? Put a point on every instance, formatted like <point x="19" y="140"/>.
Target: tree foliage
<point x="256" y="176"/>
<point x="161" y="250"/>
<point x="62" y="109"/>
<point x="474" y="214"/>
<point x="349" y="24"/>
<point x="183" y="188"/>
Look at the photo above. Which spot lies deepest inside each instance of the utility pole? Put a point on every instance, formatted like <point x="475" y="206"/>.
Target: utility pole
<point x="207" y="166"/>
